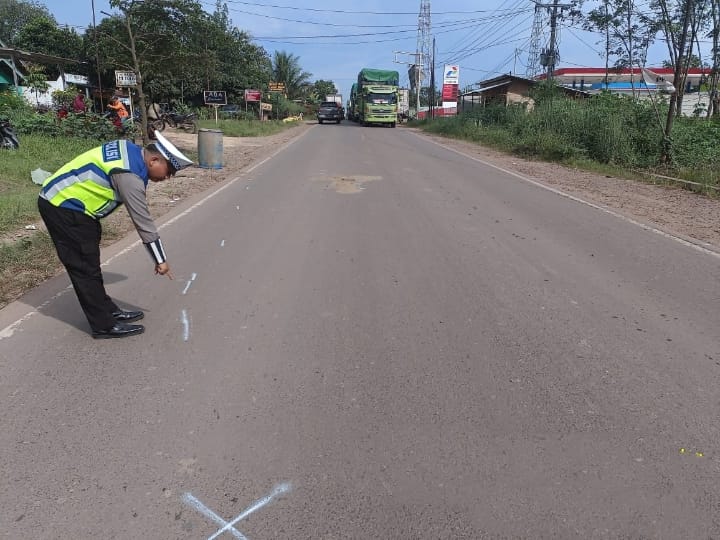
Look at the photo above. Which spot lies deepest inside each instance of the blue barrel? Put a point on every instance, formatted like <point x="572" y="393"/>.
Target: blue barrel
<point x="210" y="148"/>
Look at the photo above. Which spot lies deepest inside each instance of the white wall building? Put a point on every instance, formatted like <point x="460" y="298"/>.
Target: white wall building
<point x="62" y="83"/>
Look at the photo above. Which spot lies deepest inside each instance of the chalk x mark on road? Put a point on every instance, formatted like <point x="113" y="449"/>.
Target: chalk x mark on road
<point x="229" y="526"/>
<point x="186" y="326"/>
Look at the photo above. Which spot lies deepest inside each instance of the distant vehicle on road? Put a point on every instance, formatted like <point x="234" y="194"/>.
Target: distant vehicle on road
<point x="329" y="111"/>
<point x="229" y="111"/>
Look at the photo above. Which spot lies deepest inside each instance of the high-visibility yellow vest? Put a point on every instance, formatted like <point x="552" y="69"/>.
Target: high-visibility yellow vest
<point x="84" y="184"/>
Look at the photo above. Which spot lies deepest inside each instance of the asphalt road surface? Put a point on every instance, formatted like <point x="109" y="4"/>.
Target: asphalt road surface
<point x="373" y="337"/>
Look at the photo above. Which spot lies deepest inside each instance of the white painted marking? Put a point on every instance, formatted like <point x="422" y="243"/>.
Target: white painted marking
<point x="200" y="507"/>
<point x="229" y="526"/>
<point x="192" y="278"/>
<point x="222" y="244"/>
<point x="9" y="330"/>
<point x="186" y="326"/>
<point x="579" y="200"/>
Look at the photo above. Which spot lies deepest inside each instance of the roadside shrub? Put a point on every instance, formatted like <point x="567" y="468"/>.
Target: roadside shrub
<point x="87" y="125"/>
<point x="11" y="103"/>
<point x="695" y="143"/>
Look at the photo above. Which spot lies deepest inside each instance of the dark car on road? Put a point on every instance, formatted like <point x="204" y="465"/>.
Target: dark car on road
<point x="329" y="111"/>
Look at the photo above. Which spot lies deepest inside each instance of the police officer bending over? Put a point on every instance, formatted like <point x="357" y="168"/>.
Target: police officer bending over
<point x="90" y="187"/>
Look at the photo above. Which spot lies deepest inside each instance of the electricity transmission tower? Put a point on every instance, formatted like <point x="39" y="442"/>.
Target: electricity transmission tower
<point x="423" y="52"/>
<point x="536" y="37"/>
<point x="547" y="56"/>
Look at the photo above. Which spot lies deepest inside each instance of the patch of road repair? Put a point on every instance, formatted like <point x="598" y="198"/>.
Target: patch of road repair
<point x="349" y="184"/>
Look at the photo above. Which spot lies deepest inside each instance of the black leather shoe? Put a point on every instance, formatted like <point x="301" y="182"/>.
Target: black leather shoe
<point x="119" y="330"/>
<point x="127" y="316"/>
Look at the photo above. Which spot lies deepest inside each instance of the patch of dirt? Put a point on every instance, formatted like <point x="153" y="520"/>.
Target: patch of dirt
<point x="672" y="209"/>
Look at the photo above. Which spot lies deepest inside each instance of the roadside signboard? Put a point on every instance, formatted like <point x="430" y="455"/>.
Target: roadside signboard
<point x="451" y="75"/>
<point x="277" y="87"/>
<point x="215" y="97"/>
<point x="450" y="92"/>
<point x="253" y="95"/>
<point x="266" y="106"/>
<point x="125" y="79"/>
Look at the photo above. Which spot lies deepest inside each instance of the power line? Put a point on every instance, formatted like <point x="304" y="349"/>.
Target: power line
<point x="451" y="26"/>
<point x="346" y="12"/>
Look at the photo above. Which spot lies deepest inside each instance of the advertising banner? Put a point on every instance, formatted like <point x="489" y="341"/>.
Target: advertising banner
<point x="253" y="95"/>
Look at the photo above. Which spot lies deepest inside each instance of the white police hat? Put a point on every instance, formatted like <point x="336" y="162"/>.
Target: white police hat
<point x="176" y="158"/>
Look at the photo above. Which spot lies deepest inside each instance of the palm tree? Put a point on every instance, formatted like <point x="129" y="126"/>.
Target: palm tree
<point x="286" y="69"/>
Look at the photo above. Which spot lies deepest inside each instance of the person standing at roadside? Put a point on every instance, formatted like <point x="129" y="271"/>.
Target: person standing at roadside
<point x="79" y="103"/>
<point x="117" y="107"/>
<point x="90" y="187"/>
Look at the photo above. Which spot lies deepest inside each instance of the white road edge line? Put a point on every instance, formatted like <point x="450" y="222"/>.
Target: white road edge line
<point x="9" y="330"/>
<point x="576" y="199"/>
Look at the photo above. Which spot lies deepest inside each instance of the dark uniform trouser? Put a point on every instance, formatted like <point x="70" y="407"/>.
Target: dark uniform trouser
<point x="77" y="240"/>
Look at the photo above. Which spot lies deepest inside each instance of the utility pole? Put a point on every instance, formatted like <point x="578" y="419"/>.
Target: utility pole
<point x="550" y="55"/>
<point x="432" y="82"/>
<point x="97" y="58"/>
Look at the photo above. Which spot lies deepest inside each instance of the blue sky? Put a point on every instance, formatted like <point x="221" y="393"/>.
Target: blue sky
<point x="484" y="37"/>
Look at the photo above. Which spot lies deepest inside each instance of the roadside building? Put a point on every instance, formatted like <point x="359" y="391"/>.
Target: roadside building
<point x="507" y="90"/>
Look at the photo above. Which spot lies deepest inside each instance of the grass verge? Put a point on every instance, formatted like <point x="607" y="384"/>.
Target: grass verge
<point x="18" y="194"/>
<point x="246" y="128"/>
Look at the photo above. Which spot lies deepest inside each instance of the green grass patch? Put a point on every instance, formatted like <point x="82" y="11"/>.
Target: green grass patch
<point x="247" y="128"/>
<point x="18" y="194"/>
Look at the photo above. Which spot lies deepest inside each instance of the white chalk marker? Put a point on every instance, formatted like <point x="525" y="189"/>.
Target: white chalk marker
<point x="186" y="326"/>
<point x="200" y="507"/>
<point x="229" y="526"/>
<point x="192" y="278"/>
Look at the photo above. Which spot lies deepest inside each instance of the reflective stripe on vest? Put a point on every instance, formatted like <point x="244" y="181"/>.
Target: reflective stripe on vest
<point x="84" y="183"/>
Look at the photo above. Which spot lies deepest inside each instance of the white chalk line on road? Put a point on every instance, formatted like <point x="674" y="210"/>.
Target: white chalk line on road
<point x="577" y="199"/>
<point x="10" y="329"/>
<point x="229" y="526"/>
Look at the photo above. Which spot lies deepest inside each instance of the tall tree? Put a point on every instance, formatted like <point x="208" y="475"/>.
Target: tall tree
<point x="321" y="88"/>
<point x="42" y="35"/>
<point x="680" y="21"/>
<point x="15" y="14"/>
<point x="148" y="38"/>
<point x="286" y="69"/>
<point x="628" y="32"/>
<point x="714" y="105"/>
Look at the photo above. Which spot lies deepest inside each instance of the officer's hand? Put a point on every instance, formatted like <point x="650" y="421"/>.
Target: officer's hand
<point x="164" y="270"/>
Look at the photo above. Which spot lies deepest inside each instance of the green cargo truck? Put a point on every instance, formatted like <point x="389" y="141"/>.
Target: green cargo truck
<point x="377" y="97"/>
<point x="352" y="113"/>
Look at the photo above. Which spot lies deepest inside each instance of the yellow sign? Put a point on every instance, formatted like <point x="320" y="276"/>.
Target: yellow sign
<point x="266" y="106"/>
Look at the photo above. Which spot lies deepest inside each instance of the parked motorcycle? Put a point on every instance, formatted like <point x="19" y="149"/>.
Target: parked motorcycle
<point x="187" y="122"/>
<point x="8" y="137"/>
